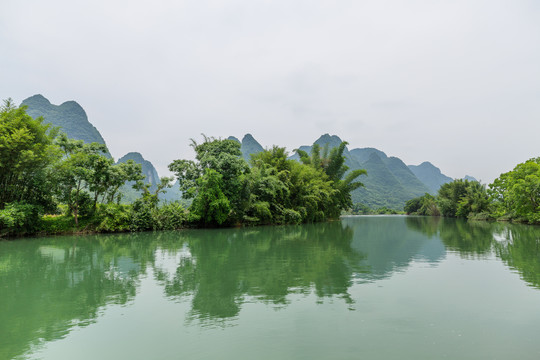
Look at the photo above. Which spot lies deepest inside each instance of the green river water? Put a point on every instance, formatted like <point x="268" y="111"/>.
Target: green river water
<point x="369" y="287"/>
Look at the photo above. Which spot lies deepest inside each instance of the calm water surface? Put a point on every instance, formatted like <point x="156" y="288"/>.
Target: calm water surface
<point x="363" y="287"/>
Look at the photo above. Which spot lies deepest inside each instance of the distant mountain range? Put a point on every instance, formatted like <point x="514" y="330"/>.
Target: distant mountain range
<point x="389" y="181"/>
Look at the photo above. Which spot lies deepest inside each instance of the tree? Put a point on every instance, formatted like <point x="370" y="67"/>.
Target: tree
<point x="210" y="206"/>
<point x="85" y="174"/>
<point x="118" y="175"/>
<point x="274" y="190"/>
<point x="222" y="156"/>
<point x="285" y="191"/>
<point x="461" y="198"/>
<point x="423" y="205"/>
<point x="26" y="156"/>
<point x="517" y="192"/>
<point x="333" y="164"/>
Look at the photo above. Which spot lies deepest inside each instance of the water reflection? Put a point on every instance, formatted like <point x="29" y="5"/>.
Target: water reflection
<point x="267" y="264"/>
<point x="516" y="245"/>
<point x="519" y="247"/>
<point x="468" y="238"/>
<point x="50" y="285"/>
<point x="390" y="246"/>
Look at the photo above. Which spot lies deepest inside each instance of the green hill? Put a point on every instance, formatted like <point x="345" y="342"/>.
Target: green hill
<point x="151" y="177"/>
<point x="389" y="182"/>
<point x="69" y="116"/>
<point x="430" y="175"/>
<point x="248" y="146"/>
<point x="148" y="169"/>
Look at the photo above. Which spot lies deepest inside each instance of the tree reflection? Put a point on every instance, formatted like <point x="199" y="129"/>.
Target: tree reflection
<point x="515" y="244"/>
<point x="468" y="238"/>
<point x="519" y="247"/>
<point x="267" y="264"/>
<point x="428" y="225"/>
<point x="51" y="285"/>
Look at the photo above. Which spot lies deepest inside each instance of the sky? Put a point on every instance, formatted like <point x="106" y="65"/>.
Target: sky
<point x="456" y="83"/>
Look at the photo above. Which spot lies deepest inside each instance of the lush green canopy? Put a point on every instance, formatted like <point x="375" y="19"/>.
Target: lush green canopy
<point x="274" y="190"/>
<point x="26" y="155"/>
<point x="517" y="192"/>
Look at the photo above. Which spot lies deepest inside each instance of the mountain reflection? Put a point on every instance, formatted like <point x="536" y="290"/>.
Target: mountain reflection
<point x="50" y="285"/>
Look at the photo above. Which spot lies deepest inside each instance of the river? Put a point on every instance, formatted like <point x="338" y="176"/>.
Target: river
<point x="373" y="287"/>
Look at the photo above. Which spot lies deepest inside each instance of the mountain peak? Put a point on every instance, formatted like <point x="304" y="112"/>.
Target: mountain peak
<point x="331" y="140"/>
<point x="37" y="99"/>
<point x="248" y="137"/>
<point x="430" y="175"/>
<point x="248" y="146"/>
<point x="70" y="117"/>
<point x="135" y="156"/>
<point x="429" y="166"/>
<point x="362" y="155"/>
<point x="148" y="169"/>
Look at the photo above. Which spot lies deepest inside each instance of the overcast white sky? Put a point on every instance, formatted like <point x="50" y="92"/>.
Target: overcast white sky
<point x="456" y="83"/>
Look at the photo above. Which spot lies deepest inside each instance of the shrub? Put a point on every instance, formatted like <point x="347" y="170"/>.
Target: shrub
<point x="170" y="216"/>
<point x="19" y="218"/>
<point x="291" y="216"/>
<point x="141" y="216"/>
<point x="113" y="217"/>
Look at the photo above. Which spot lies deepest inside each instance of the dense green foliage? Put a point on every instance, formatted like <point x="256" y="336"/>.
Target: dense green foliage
<point x="275" y="190"/>
<point x="84" y="175"/>
<point x="43" y="172"/>
<point x="459" y="198"/>
<point x="210" y="206"/>
<point x="332" y="163"/>
<point x="423" y="205"/>
<point x="514" y="195"/>
<point x="26" y="155"/>
<point x="19" y="218"/>
<point x="285" y="191"/>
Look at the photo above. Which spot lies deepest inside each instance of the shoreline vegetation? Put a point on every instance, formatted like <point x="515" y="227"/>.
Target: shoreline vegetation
<point x="50" y="184"/>
<point x="514" y="196"/>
